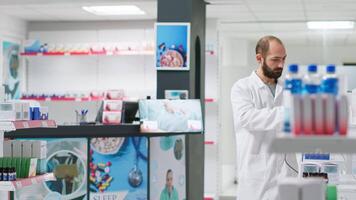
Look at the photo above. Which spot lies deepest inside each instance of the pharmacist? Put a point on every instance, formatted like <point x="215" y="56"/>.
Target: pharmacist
<point x="257" y="109"/>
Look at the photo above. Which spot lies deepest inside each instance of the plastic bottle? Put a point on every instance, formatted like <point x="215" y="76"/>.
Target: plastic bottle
<point x="311" y="90"/>
<point x="330" y="90"/>
<point x="312" y="80"/>
<point x="292" y="87"/>
<point x="330" y="82"/>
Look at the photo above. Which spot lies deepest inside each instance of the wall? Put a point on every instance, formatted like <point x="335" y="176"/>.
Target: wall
<point x="12" y="30"/>
<point x="61" y="74"/>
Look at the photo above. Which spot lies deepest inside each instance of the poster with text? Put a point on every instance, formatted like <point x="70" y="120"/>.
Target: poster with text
<point x="11" y="69"/>
<point x="172" y="46"/>
<point x="167" y="168"/>
<point x="118" y="168"/>
<point x="67" y="159"/>
<point x="164" y="115"/>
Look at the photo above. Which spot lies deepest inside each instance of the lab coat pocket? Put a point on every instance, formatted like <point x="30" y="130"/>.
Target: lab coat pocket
<point x="256" y="168"/>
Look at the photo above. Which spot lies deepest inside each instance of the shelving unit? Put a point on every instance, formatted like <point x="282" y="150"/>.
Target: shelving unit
<point x="104" y="53"/>
<point x="21" y="183"/>
<point x="313" y="144"/>
<point x="11" y="126"/>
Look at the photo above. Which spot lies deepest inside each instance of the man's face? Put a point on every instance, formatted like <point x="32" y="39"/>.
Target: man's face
<point x="169" y="180"/>
<point x="273" y="61"/>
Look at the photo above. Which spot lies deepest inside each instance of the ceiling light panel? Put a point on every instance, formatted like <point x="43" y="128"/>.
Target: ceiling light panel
<point x="114" y="10"/>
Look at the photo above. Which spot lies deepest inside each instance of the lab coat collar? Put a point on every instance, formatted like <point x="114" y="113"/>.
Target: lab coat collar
<point x="257" y="79"/>
<point x="261" y="84"/>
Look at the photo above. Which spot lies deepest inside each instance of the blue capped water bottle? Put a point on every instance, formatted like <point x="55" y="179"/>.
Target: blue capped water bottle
<point x="330" y="88"/>
<point x="330" y="82"/>
<point x="312" y="80"/>
<point x="292" y="86"/>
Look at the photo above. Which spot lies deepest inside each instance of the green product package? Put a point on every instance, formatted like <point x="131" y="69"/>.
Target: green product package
<point x="13" y="162"/>
<point x="26" y="167"/>
<point x="331" y="192"/>
<point x="1" y="161"/>
<point x="18" y="167"/>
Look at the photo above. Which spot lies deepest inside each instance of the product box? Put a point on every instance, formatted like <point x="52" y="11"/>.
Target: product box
<point x="16" y="148"/>
<point x="43" y="113"/>
<point x="7" y="148"/>
<point x="27" y="149"/>
<point x="289" y="189"/>
<point x="112" y="105"/>
<point x="26" y="111"/>
<point x="7" y="111"/>
<point x="313" y="189"/>
<point x="114" y="94"/>
<point x="32" y="167"/>
<point x="111" y="117"/>
<point x="39" y="151"/>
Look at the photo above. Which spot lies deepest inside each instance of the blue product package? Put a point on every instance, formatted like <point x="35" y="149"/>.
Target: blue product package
<point x="35" y="113"/>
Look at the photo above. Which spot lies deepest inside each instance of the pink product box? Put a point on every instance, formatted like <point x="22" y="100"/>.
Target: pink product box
<point x="111" y="117"/>
<point x="112" y="105"/>
<point x="114" y="94"/>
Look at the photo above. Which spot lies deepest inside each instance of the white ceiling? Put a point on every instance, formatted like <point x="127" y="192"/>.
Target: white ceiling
<point x="239" y="18"/>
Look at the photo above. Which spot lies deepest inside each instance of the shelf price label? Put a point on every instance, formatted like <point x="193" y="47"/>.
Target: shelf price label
<point x="34" y="181"/>
<point x="18" y="184"/>
<point x="25" y="125"/>
<point x="44" y="124"/>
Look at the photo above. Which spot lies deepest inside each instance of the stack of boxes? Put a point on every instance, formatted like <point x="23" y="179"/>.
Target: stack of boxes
<point x="112" y="107"/>
<point x="28" y="157"/>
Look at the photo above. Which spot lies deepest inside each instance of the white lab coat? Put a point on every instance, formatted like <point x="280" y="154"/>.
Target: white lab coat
<point x="258" y="116"/>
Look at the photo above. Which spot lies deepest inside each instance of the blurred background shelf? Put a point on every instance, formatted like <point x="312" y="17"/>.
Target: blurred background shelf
<point x="313" y="144"/>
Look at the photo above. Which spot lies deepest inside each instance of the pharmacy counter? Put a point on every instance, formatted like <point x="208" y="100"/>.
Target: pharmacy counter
<point x="107" y="162"/>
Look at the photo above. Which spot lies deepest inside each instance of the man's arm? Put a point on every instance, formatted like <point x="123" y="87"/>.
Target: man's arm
<point x="247" y="116"/>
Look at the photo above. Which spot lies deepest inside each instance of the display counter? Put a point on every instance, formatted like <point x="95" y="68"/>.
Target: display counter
<point x="108" y="162"/>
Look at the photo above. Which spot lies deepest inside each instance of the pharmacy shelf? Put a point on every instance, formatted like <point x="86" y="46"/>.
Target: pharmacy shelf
<point x="101" y="53"/>
<point x="313" y="144"/>
<point x="63" y="99"/>
<point x="21" y="183"/>
<point x="16" y="125"/>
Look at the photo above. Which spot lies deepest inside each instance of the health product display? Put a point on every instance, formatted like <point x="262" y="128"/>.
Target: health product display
<point x="313" y="103"/>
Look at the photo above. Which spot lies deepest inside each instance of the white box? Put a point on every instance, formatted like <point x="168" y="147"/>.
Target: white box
<point x="111" y="117"/>
<point x="39" y="149"/>
<point x="27" y="149"/>
<point x="16" y="148"/>
<point x="313" y="189"/>
<point x="7" y="148"/>
<point x="25" y="111"/>
<point x="7" y="111"/>
<point x="288" y="188"/>
<point x="112" y="105"/>
<point x="44" y="113"/>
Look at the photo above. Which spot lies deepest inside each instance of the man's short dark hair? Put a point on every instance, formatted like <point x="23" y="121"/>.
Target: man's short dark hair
<point x="262" y="46"/>
<point x="168" y="171"/>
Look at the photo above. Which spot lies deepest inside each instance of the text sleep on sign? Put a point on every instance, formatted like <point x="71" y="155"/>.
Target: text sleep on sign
<point x="108" y="196"/>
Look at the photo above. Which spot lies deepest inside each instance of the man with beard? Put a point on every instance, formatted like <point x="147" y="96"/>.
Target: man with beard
<point x="258" y="116"/>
